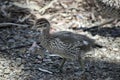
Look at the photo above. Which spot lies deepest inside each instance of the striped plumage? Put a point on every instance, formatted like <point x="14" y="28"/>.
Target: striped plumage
<point x="66" y="44"/>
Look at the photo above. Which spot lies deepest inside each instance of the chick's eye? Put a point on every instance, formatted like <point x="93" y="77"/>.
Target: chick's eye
<point x="45" y="25"/>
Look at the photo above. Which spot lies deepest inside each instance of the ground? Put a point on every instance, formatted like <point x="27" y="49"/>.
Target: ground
<point x="17" y="37"/>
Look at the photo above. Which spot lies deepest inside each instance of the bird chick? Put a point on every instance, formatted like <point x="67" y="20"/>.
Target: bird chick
<point x="66" y="44"/>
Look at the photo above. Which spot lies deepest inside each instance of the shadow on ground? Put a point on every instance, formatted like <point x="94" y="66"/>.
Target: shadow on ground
<point x="95" y="69"/>
<point x="104" y="31"/>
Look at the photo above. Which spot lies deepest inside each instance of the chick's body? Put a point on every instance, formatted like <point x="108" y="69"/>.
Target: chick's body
<point x="67" y="44"/>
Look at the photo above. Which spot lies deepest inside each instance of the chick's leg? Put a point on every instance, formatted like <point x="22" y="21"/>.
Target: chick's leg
<point x="62" y="64"/>
<point x="81" y="62"/>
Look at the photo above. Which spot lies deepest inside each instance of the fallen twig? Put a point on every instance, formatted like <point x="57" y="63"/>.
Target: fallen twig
<point x="12" y="24"/>
<point x="103" y="23"/>
<point x="40" y="69"/>
<point x="42" y="10"/>
<point x="20" y="46"/>
<point x="44" y="70"/>
<point x="96" y="25"/>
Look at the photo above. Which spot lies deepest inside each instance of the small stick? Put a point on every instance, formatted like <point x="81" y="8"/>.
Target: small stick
<point x="20" y="46"/>
<point x="104" y="23"/>
<point x="44" y="70"/>
<point x="96" y="25"/>
<point x="40" y="69"/>
<point x="12" y="24"/>
<point x="42" y="10"/>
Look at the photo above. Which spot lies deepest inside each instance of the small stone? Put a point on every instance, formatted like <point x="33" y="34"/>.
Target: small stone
<point x="18" y="71"/>
<point x="11" y="40"/>
<point x="39" y="57"/>
<point x="6" y="64"/>
<point x="115" y="49"/>
<point x="7" y="71"/>
<point x="1" y="72"/>
<point x="18" y="61"/>
<point x="103" y="49"/>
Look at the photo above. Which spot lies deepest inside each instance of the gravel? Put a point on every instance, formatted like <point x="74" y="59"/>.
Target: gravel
<point x="17" y="63"/>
